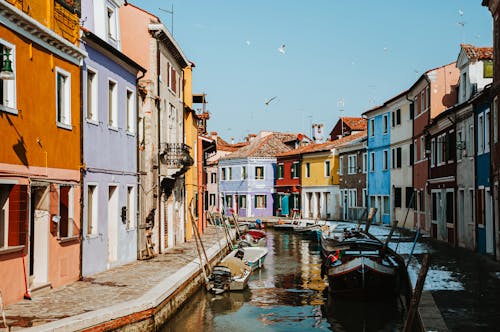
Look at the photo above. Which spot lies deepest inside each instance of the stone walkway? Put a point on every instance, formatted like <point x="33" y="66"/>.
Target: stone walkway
<point x="104" y="289"/>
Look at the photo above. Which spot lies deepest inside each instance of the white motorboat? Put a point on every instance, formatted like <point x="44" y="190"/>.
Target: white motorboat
<point x="251" y="256"/>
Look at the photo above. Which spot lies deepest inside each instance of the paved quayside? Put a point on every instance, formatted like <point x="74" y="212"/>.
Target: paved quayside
<point x="143" y="293"/>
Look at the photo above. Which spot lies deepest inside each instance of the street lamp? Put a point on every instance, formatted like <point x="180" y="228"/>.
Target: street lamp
<point x="6" y="73"/>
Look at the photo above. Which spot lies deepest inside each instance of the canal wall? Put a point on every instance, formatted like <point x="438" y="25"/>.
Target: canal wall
<point x="149" y="311"/>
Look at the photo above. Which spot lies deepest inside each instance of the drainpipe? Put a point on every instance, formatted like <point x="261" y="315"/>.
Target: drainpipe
<point x="137" y="160"/>
<point x="82" y="170"/>
<point x="158" y="106"/>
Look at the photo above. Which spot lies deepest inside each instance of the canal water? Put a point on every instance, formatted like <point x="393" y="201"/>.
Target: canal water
<point x="287" y="294"/>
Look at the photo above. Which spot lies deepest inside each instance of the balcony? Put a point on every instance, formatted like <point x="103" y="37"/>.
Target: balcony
<point x="176" y="158"/>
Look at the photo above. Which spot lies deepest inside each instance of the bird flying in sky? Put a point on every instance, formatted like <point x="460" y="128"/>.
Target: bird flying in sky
<point x="268" y="101"/>
<point x="282" y="49"/>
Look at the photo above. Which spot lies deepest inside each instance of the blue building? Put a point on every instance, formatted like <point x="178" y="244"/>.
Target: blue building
<point x="379" y="159"/>
<point x="484" y="199"/>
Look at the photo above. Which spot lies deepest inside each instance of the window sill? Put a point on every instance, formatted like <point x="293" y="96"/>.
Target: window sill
<point x="68" y="239"/>
<point x="91" y="236"/>
<point x="10" y="250"/>
<point x="64" y="126"/>
<point x="113" y="128"/>
<point x="130" y="229"/>
<point x="92" y="122"/>
<point x="8" y="109"/>
<point x="130" y="133"/>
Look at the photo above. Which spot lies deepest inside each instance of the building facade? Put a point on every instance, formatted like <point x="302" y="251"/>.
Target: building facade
<point x="110" y="178"/>
<point x="40" y="159"/>
<point x="163" y="155"/>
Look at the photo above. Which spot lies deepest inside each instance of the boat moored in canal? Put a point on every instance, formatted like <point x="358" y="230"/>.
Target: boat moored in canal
<point x="231" y="274"/>
<point x="251" y="256"/>
<point x="357" y="263"/>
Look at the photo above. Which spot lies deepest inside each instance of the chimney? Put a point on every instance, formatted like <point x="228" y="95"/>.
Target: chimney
<point x="318" y="135"/>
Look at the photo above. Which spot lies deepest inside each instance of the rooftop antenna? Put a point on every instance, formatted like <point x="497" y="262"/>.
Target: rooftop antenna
<point x="171" y="12"/>
<point x="340" y="105"/>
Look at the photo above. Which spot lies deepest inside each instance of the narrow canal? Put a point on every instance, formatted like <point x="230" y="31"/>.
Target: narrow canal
<point x="288" y="294"/>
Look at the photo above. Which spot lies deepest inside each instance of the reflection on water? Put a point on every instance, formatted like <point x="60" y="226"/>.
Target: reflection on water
<point x="288" y="294"/>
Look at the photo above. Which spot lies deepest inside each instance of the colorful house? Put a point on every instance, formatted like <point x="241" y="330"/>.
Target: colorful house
<point x="40" y="159"/>
<point x="347" y="126"/>
<point x="288" y="183"/>
<point x="425" y="106"/>
<point x="110" y="187"/>
<point x="379" y="154"/>
<point x="247" y="176"/>
<point x="493" y="6"/>
<point x="163" y="155"/>
<point x="353" y="167"/>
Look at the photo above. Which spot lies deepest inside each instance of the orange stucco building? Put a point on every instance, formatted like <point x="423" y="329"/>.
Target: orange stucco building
<point x="40" y="154"/>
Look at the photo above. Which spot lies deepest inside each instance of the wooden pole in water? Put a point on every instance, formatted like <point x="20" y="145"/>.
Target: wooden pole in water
<point x="417" y="293"/>
<point x="197" y="238"/>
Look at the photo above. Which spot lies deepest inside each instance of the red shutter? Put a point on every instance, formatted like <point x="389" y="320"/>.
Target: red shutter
<point x="18" y="215"/>
<point x="174" y="80"/>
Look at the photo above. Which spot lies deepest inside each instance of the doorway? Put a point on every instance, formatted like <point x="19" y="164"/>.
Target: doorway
<point x="39" y="236"/>
<point x="112" y="225"/>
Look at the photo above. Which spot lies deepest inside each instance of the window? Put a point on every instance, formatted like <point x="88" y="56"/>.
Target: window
<point x="463" y="86"/>
<point x="435" y="202"/>
<point x="427" y="98"/>
<point x="440" y="147"/>
<point x="112" y="105"/>
<point x="230" y="173"/>
<point x="450" y="207"/>
<point x="244" y="174"/>
<point x="327" y="168"/>
<point x="295" y="171"/>
<point x="223" y="173"/>
<point x="422" y="200"/>
<point x="396" y="157"/>
<point x="131" y="207"/>
<point x="365" y="197"/>
<point x="92" y="209"/>
<point x="131" y="112"/>
<point x="111" y="24"/>
<point x="341" y="165"/>
<point x="213" y="177"/>
<point x="422" y="101"/>
<point x="8" y="87"/>
<point x="259" y="172"/>
<point x="229" y="201"/>
<point x="352" y="164"/>
<point x="495" y="120"/>
<point x="385" y="123"/>
<point x="480" y="134"/>
<point x="212" y="199"/>
<point x="63" y="98"/>
<point x="433" y="152"/>
<point x="487" y="131"/>
<point x="397" y="197"/>
<point x="66" y="212"/>
<point x="412" y="153"/>
<point x="280" y="171"/>
<point x="372" y="161"/>
<point x="242" y="201"/>
<point x="308" y="170"/>
<point x="372" y="127"/>
<point x="386" y="160"/>
<point x="412" y="111"/>
<point x="459" y="144"/>
<point x="92" y="96"/>
<point x="386" y="205"/>
<point x="173" y="80"/>
<point x="410" y="198"/>
<point x="365" y="162"/>
<point x="260" y="201"/>
<point x="396" y="117"/>
<point x="488" y="69"/>
<point x="13" y="215"/>
<point x="422" y="147"/>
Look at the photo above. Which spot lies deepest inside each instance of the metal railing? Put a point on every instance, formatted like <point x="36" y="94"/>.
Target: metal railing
<point x="175" y="155"/>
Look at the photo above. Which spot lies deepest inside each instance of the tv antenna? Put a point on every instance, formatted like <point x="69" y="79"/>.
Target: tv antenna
<point x="171" y="12"/>
<point x="340" y="105"/>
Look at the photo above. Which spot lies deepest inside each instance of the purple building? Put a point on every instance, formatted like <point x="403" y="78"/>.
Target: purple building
<point x="247" y="176"/>
<point x="109" y="130"/>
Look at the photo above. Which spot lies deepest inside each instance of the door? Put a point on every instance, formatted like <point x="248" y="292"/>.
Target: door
<point x="488" y="221"/>
<point x="285" y="207"/>
<point x="112" y="224"/>
<point x="39" y="236"/>
<point x="461" y="218"/>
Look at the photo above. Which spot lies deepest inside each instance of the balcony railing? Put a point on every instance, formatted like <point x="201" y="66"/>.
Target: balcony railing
<point x="175" y="155"/>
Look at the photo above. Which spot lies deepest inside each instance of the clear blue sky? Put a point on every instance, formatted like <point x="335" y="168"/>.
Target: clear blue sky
<point x="363" y="52"/>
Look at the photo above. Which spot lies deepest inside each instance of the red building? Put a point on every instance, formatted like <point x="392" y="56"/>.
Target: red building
<point x="347" y="126"/>
<point x="288" y="187"/>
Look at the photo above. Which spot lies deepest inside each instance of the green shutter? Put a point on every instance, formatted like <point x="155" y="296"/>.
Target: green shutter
<point x="488" y="69"/>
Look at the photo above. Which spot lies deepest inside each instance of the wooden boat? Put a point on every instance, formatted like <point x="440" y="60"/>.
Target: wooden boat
<point x="251" y="256"/>
<point x="286" y="224"/>
<point x="231" y="274"/>
<point x="253" y="238"/>
<point x="357" y="263"/>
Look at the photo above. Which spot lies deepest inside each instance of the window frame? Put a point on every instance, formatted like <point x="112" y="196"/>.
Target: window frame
<point x="65" y="114"/>
<point x="295" y="170"/>
<point x="256" y="201"/>
<point x="308" y="170"/>
<point x="372" y="127"/>
<point x="385" y="160"/>
<point x="112" y="104"/>
<point x="341" y="165"/>
<point x="327" y="168"/>
<point x="92" y="209"/>
<point x="131" y="207"/>
<point x="280" y="170"/>
<point x="130" y="111"/>
<point x="262" y="176"/>
<point x="365" y="162"/>
<point x="9" y="85"/>
<point x="352" y="164"/>
<point x="71" y="213"/>
<point x="385" y="124"/>
<point x="92" y="111"/>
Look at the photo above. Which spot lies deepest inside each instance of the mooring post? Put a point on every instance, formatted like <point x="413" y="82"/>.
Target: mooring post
<point x="417" y="293"/>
